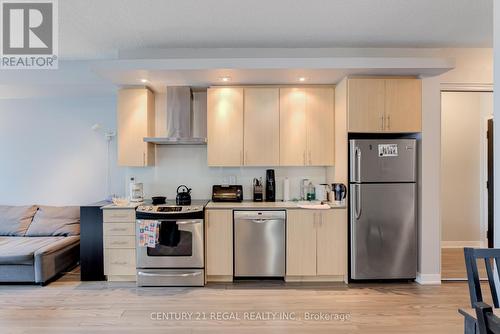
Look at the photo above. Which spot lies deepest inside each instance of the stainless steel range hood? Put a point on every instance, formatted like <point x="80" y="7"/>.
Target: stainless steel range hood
<point x="186" y="118"/>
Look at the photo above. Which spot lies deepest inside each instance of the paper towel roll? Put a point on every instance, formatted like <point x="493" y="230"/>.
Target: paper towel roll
<point x="286" y="189"/>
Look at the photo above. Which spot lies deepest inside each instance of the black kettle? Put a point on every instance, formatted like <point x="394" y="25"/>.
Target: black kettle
<point x="183" y="197"/>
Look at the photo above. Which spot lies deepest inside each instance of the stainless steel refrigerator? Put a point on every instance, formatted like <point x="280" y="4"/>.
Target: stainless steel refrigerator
<point x="382" y="208"/>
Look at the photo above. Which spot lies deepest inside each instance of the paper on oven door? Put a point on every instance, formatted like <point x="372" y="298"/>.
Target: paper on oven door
<point x="148" y="233"/>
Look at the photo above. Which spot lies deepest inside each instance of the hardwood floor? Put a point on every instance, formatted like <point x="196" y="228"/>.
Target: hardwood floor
<point x="453" y="265"/>
<point x="70" y="306"/>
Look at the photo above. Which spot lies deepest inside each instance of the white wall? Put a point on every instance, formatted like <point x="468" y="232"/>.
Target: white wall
<point x="473" y="67"/>
<point x="463" y="133"/>
<point x="49" y="153"/>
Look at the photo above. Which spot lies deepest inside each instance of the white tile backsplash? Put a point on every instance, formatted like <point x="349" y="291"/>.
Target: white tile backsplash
<point x="183" y="164"/>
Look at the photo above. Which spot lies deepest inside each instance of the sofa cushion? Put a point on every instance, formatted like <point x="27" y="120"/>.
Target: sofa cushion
<point x="21" y="250"/>
<point x="55" y="221"/>
<point x="15" y="220"/>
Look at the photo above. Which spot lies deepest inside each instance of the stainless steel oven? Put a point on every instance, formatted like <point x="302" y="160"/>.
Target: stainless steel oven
<point x="177" y="259"/>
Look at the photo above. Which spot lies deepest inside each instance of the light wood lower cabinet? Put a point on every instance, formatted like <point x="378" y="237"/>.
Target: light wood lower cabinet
<point x="219" y="245"/>
<point x="331" y="243"/>
<point x="316" y="245"/>
<point x="119" y="244"/>
<point x="301" y="243"/>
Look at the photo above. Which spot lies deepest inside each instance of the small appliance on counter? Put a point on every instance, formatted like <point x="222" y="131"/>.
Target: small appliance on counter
<point x="136" y="191"/>
<point x="321" y="192"/>
<point x="338" y="193"/>
<point x="270" y="186"/>
<point x="229" y="193"/>
<point x="257" y="190"/>
<point x="183" y="197"/>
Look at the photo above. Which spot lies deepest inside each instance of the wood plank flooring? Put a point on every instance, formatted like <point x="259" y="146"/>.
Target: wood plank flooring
<point x="70" y="306"/>
<point x="453" y="265"/>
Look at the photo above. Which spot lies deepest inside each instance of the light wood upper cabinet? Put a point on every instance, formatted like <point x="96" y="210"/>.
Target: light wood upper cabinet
<point x="320" y="126"/>
<point x="307" y="126"/>
<point x="403" y="105"/>
<point x="261" y="127"/>
<point x="219" y="242"/>
<point x="384" y="105"/>
<point x="136" y="120"/>
<point x="317" y="243"/>
<point x="293" y="127"/>
<point x="300" y="243"/>
<point x="366" y="101"/>
<point x="271" y="126"/>
<point x="225" y="126"/>
<point x="332" y="243"/>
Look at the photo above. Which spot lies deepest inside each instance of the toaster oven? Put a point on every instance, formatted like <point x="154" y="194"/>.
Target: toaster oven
<point x="229" y="193"/>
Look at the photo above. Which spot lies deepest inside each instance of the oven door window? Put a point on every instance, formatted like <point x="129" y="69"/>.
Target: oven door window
<point x="172" y="241"/>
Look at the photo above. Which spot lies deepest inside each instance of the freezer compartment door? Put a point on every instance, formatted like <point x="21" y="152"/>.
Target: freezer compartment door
<point x="383" y="160"/>
<point x="383" y="231"/>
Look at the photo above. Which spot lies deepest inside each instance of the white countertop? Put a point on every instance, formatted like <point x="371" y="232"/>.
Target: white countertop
<point x="265" y="205"/>
<point x="129" y="205"/>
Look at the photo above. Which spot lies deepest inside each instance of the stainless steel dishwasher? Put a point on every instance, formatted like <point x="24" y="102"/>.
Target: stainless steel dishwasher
<point x="259" y="243"/>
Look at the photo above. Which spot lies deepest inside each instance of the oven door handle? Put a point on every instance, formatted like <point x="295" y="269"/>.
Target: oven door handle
<point x="142" y="273"/>
<point x="189" y="222"/>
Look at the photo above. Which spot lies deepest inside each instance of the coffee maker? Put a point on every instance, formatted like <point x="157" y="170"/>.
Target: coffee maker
<point x="270" y="186"/>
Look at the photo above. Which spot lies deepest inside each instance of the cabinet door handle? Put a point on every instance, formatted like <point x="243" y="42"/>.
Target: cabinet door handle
<point x="119" y="215"/>
<point x="241" y="157"/>
<point x="246" y="156"/>
<point x="382" y="119"/>
<point x="119" y="243"/>
<point x="118" y="230"/>
<point x="119" y="262"/>
<point x="144" y="158"/>
<point x="310" y="160"/>
<point x="389" y="122"/>
<point x="304" y="157"/>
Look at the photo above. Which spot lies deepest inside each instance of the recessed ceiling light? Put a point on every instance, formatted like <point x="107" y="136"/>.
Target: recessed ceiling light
<point x="225" y="79"/>
<point x="144" y="80"/>
<point x="302" y="79"/>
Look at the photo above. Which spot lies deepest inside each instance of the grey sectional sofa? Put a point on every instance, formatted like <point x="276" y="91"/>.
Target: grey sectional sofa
<point x="37" y="242"/>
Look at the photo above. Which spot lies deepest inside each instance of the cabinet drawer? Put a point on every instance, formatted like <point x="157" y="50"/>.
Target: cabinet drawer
<point x="119" y="216"/>
<point x="120" y="261"/>
<point x="119" y="229"/>
<point x="120" y="241"/>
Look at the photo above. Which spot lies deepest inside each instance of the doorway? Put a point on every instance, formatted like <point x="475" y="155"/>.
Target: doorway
<point x="464" y="177"/>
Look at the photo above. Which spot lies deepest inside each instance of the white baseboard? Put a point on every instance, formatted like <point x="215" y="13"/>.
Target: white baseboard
<point x="461" y="244"/>
<point x="428" y="279"/>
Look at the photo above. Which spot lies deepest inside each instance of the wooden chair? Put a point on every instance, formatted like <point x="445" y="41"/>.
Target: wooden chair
<point x="487" y="321"/>
<point x="489" y="255"/>
<point x="484" y="312"/>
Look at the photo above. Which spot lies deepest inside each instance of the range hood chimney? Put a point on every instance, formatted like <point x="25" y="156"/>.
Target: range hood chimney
<point x="186" y="118"/>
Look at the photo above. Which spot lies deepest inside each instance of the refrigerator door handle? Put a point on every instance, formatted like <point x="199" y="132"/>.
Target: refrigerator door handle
<point x="357" y="205"/>
<point x="358" y="165"/>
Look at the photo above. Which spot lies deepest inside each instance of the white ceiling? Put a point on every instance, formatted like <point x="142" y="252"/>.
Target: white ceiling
<point x="93" y="29"/>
